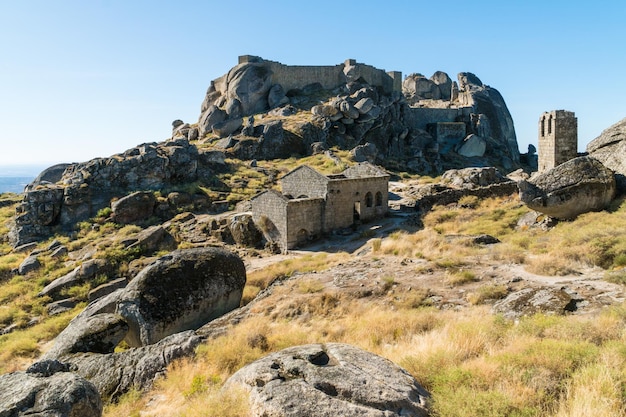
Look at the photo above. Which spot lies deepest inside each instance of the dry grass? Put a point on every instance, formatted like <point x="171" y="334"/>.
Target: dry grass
<point x="473" y="363"/>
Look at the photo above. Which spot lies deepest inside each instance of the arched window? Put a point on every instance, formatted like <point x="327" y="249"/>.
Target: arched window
<point x="543" y="126"/>
<point x="550" y="125"/>
<point x="379" y="199"/>
<point x="369" y="200"/>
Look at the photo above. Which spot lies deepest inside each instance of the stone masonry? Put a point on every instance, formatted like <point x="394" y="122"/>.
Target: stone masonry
<point x="312" y="204"/>
<point x="558" y="138"/>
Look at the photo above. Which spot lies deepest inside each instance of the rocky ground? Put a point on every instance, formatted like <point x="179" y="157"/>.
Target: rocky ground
<point x="368" y="274"/>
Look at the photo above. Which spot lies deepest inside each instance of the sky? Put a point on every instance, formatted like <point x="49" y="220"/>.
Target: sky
<point x="90" y="78"/>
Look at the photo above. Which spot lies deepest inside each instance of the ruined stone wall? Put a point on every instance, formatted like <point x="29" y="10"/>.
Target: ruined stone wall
<point x="347" y="195"/>
<point x="421" y="117"/>
<point x="304" y="221"/>
<point x="304" y="181"/>
<point x="270" y="205"/>
<point x="329" y="76"/>
<point x="292" y="77"/>
<point x="558" y="138"/>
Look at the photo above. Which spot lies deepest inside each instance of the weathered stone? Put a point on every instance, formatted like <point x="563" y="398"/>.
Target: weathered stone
<point x="114" y="374"/>
<point x="193" y="134"/>
<point x="209" y="118"/>
<point x="348" y="110"/>
<point x="418" y="87"/>
<point x="61" y="306"/>
<point x="59" y="252"/>
<point x="610" y="149"/>
<point x="473" y="145"/>
<point x="181" y="291"/>
<point x="106" y="289"/>
<point x="469" y="178"/>
<point x="135" y="207"/>
<point x="529" y="301"/>
<point x="245" y="232"/>
<point x="364" y="105"/>
<point x="79" y="275"/>
<point x="227" y="127"/>
<point x="366" y="152"/>
<point x="577" y="186"/>
<point x="324" y="110"/>
<point x="276" y="96"/>
<point x="27" y="247"/>
<point x="50" y="175"/>
<point x="152" y="239"/>
<point x="250" y="83"/>
<point x="334" y="380"/>
<point x="444" y="82"/>
<point x="62" y="394"/>
<point x="100" y="333"/>
<point x="28" y="265"/>
<point x="485" y="239"/>
<point x="488" y="101"/>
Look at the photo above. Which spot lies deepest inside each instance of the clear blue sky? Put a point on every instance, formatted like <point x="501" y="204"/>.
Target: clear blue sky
<point x="90" y="78"/>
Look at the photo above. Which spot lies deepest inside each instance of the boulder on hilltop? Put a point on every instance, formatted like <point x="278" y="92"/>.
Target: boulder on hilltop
<point x="610" y="149"/>
<point x="352" y="104"/>
<point x="575" y="187"/>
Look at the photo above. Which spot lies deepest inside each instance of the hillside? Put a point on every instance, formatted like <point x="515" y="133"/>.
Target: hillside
<point x="151" y="277"/>
<point x="419" y="296"/>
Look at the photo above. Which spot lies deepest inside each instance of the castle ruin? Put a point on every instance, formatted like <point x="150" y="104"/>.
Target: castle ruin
<point x="329" y="76"/>
<point x="558" y="138"/>
<point x="312" y="204"/>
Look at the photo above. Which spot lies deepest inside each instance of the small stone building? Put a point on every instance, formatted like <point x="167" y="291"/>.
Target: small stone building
<point x="558" y="138"/>
<point x="312" y="204"/>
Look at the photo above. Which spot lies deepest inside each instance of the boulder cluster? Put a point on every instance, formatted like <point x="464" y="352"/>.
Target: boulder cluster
<point x="61" y="198"/>
<point x="355" y="112"/>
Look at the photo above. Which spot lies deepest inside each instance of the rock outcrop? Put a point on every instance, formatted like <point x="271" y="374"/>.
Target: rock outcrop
<point x="85" y="188"/>
<point x="134" y="207"/>
<point x="610" y="149"/>
<point x="48" y="390"/>
<point x="181" y="291"/>
<point x="329" y="379"/>
<point x="156" y="314"/>
<point x="575" y="187"/>
<point x="459" y="183"/>
<point x="364" y="106"/>
<point x="529" y="301"/>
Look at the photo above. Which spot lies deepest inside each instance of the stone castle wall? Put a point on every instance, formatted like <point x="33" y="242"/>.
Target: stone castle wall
<point x="558" y="138"/>
<point x="421" y="117"/>
<point x="329" y="76"/>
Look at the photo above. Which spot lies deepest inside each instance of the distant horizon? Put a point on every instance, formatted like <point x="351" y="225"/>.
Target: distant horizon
<point x="23" y="170"/>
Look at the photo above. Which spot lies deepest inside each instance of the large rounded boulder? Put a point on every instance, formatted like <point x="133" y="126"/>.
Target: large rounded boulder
<point x="48" y="391"/>
<point x="181" y="291"/>
<point x="329" y="380"/>
<point x="575" y="187"/>
<point x="610" y="149"/>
